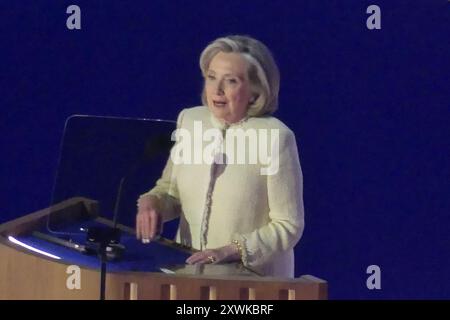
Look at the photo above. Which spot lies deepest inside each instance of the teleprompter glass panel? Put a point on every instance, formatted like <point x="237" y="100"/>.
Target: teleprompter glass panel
<point x="100" y="154"/>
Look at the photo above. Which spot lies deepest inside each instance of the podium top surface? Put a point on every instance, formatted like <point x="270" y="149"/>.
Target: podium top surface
<point x="158" y="256"/>
<point x="136" y="257"/>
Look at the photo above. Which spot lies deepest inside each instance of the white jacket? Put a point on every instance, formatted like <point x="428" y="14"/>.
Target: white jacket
<point x="235" y="201"/>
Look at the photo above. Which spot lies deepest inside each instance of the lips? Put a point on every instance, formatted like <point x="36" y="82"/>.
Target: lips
<point x="219" y="104"/>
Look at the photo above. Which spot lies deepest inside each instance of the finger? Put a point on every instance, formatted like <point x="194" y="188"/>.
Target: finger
<point x="154" y="224"/>
<point x="160" y="226"/>
<point x="201" y="257"/>
<point x="198" y="260"/>
<point x="195" y="258"/>
<point x="146" y="226"/>
<point x="191" y="258"/>
<point x="206" y="260"/>
<point x="138" y="226"/>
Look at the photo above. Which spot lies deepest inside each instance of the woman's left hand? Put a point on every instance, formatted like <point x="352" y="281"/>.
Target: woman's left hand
<point x="224" y="254"/>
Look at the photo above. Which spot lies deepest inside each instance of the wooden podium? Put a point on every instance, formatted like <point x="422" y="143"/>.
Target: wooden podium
<point x="25" y="274"/>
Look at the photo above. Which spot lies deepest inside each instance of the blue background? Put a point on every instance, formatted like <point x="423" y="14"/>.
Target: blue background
<point x="370" y="110"/>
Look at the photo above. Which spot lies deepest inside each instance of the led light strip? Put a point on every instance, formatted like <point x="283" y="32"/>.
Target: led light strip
<point x="14" y="240"/>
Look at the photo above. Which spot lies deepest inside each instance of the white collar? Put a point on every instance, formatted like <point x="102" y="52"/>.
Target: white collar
<point x="220" y="124"/>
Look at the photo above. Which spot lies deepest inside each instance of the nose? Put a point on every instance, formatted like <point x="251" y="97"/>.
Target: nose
<point x="219" y="88"/>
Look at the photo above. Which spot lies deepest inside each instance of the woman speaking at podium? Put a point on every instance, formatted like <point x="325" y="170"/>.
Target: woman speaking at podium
<point x="231" y="210"/>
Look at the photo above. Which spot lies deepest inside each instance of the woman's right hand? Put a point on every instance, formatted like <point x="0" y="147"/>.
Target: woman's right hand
<point x="149" y="221"/>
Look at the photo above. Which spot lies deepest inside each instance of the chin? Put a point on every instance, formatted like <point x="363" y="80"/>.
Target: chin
<point x="219" y="113"/>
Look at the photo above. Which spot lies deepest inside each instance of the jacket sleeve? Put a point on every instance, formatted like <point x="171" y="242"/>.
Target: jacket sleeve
<point x="286" y="210"/>
<point x="166" y="187"/>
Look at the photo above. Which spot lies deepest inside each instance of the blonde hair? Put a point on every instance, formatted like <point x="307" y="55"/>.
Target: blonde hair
<point x="263" y="72"/>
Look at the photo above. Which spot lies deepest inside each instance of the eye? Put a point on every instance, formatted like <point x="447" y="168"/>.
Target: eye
<point x="232" y="81"/>
<point x="210" y="77"/>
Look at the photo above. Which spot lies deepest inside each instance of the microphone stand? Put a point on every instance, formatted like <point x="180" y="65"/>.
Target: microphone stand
<point x="105" y="242"/>
<point x="103" y="272"/>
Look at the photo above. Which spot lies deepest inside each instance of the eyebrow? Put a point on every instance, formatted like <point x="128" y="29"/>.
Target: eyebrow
<point x="240" y="76"/>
